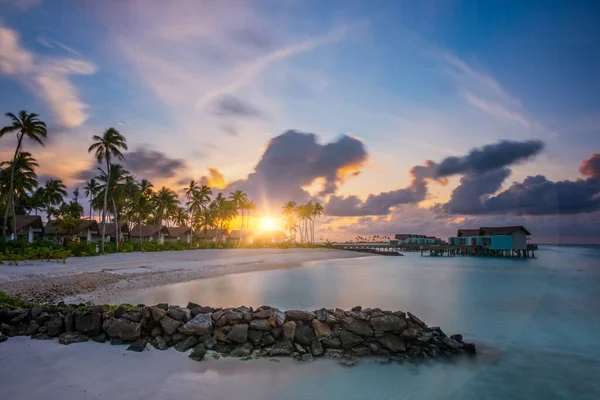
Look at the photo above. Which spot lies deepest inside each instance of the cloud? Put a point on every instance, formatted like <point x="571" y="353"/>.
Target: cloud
<point x="152" y="164"/>
<point x="490" y="157"/>
<point x="294" y="160"/>
<point x="230" y="130"/>
<point x="467" y="197"/>
<point x="215" y="179"/>
<point x="230" y="106"/>
<point x="46" y="78"/>
<point x="496" y="109"/>
<point x="591" y="166"/>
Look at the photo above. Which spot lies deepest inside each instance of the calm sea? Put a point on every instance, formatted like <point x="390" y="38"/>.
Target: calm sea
<point x="536" y="323"/>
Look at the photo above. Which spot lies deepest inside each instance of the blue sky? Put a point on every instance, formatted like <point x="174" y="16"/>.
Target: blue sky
<point x="414" y="81"/>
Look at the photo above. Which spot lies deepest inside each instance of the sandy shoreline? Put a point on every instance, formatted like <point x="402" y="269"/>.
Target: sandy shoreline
<point x="99" y="279"/>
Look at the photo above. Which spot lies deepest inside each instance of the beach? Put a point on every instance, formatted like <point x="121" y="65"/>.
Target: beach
<point x="101" y="279"/>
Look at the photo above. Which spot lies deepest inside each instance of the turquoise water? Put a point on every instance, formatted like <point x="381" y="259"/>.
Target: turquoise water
<point x="536" y="322"/>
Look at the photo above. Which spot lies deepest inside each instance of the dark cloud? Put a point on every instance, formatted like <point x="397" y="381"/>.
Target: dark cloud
<point x="229" y="106"/>
<point x="151" y="164"/>
<point x="591" y="166"/>
<point x="230" y="130"/>
<point x="490" y="157"/>
<point x="467" y="197"/>
<point x="87" y="174"/>
<point x="295" y="159"/>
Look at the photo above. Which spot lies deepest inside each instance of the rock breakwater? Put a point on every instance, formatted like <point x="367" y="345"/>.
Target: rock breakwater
<point x="240" y="332"/>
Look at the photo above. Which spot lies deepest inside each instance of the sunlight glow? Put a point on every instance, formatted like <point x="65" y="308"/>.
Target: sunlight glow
<point x="267" y="224"/>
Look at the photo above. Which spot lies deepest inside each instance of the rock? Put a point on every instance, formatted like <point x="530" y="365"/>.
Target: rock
<point x="470" y="349"/>
<point x="116" y="342"/>
<point x="42" y="318"/>
<point x="224" y="348"/>
<point x="263" y="314"/>
<point x="282" y="348"/>
<point x="217" y="315"/>
<point x="88" y="323"/>
<point x="277" y="333"/>
<point x="134" y="316"/>
<point x="425" y="337"/>
<point x="349" y="339"/>
<point x="198" y="353"/>
<point x="320" y="328"/>
<point x="36" y="311"/>
<point x="300" y="315"/>
<point x="399" y="314"/>
<point x="32" y="328"/>
<point x="392" y="343"/>
<point x="361" y="351"/>
<point x="177" y="337"/>
<point x="334" y="353"/>
<point x="409" y="333"/>
<point x="260" y="325"/>
<point x="157" y="313"/>
<point x="72" y="337"/>
<point x="124" y="329"/>
<point x="20" y="318"/>
<point x="176" y="314"/>
<point x="278" y="315"/>
<point x="159" y="343"/>
<point x="241" y="350"/>
<point x="239" y="333"/>
<point x="388" y="323"/>
<point x="222" y="321"/>
<point x="169" y="325"/>
<point x="137" y="346"/>
<point x="331" y="342"/>
<point x="220" y="336"/>
<point x="357" y="326"/>
<point x="200" y="310"/>
<point x="191" y="305"/>
<point x="254" y="336"/>
<point x="163" y="306"/>
<point x="210" y="343"/>
<point x="356" y="309"/>
<point x="55" y="326"/>
<point x="234" y="317"/>
<point x="451" y="343"/>
<point x="316" y="348"/>
<point x="458" y="338"/>
<point x="99" y="338"/>
<point x="41" y="336"/>
<point x="358" y="315"/>
<point x="267" y="340"/>
<point x="156" y="331"/>
<point x="299" y="348"/>
<point x="186" y="344"/>
<point x="304" y="335"/>
<point x="306" y="357"/>
<point x="289" y="330"/>
<point x="321" y="315"/>
<point x="347" y="361"/>
<point x="201" y="324"/>
<point x="416" y="320"/>
<point x="3" y="338"/>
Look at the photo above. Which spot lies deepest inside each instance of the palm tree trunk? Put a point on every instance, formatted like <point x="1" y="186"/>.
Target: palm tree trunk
<point x="11" y="189"/>
<point x="91" y="199"/>
<point x="140" y="226"/>
<point x="116" y="221"/>
<point x="105" y="201"/>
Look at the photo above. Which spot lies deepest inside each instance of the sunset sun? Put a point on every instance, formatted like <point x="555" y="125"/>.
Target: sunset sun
<point x="267" y="224"/>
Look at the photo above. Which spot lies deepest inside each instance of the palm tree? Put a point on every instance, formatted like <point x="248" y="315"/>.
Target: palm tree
<point x="105" y="147"/>
<point x="68" y="217"/>
<point x="199" y="201"/>
<point x="76" y="195"/>
<point x="141" y="207"/>
<point x="239" y="199"/>
<point x="165" y="201"/>
<point x="91" y="190"/>
<point x="180" y="217"/>
<point x="23" y="124"/>
<point x="36" y="200"/>
<point x="23" y="177"/>
<point x="289" y="213"/>
<point x="112" y="187"/>
<point x="250" y="207"/>
<point x="317" y="211"/>
<point x="52" y="193"/>
<point x="146" y="187"/>
<point x="190" y="191"/>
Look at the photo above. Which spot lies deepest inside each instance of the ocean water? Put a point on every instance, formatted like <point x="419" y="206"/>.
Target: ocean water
<point x="536" y="323"/>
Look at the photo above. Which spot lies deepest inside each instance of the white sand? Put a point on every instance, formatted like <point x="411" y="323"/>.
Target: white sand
<point x="104" y="277"/>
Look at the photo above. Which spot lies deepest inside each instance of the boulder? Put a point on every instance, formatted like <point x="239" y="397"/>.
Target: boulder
<point x="277" y="333"/>
<point x="361" y="351"/>
<point x="137" y="346"/>
<point x="416" y="320"/>
<point x="260" y="325"/>
<point x="36" y="311"/>
<point x="316" y="348"/>
<point x="177" y="337"/>
<point x="241" y="350"/>
<point x="304" y="335"/>
<point x="134" y="316"/>
<point x="278" y="315"/>
<point x="331" y="342"/>
<point x="347" y="361"/>
<point x="224" y="348"/>
<point x="198" y="353"/>
<point x="55" y="326"/>
<point x="388" y="323"/>
<point x="159" y="343"/>
<point x="425" y="337"/>
<point x="99" y="338"/>
<point x="88" y="323"/>
<point x="409" y="333"/>
<point x="157" y="313"/>
<point x="349" y="339"/>
<point x="186" y="344"/>
<point x="263" y="313"/>
<point x="392" y="343"/>
<point x="289" y="330"/>
<point x="176" y="313"/>
<point x="201" y="324"/>
<point x="234" y="317"/>
<point x="282" y="348"/>
<point x="306" y="357"/>
<point x="357" y="326"/>
<point x="169" y="325"/>
<point x="163" y="306"/>
<point x="267" y="340"/>
<point x="124" y="329"/>
<point x="32" y="328"/>
<point x="19" y="317"/>
<point x="451" y="344"/>
<point x="239" y="333"/>
<point x="320" y="328"/>
<point x="210" y="343"/>
<point x="200" y="310"/>
<point x="300" y="315"/>
<point x="157" y="331"/>
<point x="321" y="315"/>
<point x="334" y="353"/>
<point x="220" y="336"/>
<point x="458" y="338"/>
<point x="42" y="318"/>
<point x="72" y="337"/>
<point x="217" y="315"/>
<point x="254" y="336"/>
<point x="299" y="348"/>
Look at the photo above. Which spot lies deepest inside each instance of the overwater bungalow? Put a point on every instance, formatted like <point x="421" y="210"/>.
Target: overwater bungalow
<point x="493" y="238"/>
<point x="414" y="239"/>
<point x="29" y="227"/>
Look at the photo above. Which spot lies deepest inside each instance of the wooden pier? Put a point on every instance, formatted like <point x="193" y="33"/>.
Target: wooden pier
<point x="440" y="250"/>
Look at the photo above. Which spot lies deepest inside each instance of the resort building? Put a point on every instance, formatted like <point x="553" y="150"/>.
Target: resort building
<point x="237" y="234"/>
<point x="211" y="235"/>
<point x="493" y="238"/>
<point x="180" y="234"/>
<point x="29" y="227"/>
<point x="86" y="230"/>
<point x="110" y="233"/>
<point x="415" y="239"/>
<point x="271" y="237"/>
<point x="151" y="233"/>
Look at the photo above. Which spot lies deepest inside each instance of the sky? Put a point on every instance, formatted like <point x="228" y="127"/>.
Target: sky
<point x="398" y="116"/>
